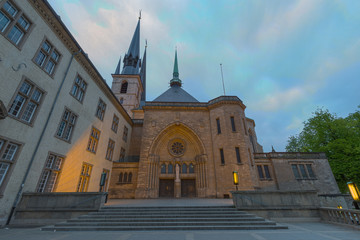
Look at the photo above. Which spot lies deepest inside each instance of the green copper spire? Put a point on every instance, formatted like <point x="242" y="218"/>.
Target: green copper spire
<point x="175" y="81"/>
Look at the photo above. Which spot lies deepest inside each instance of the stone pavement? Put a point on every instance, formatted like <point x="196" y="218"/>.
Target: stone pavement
<point x="296" y="231"/>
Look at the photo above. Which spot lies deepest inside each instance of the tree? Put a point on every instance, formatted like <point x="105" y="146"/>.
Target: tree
<point x="338" y="137"/>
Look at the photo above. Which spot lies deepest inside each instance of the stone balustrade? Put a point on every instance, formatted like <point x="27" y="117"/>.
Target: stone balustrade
<point x="342" y="216"/>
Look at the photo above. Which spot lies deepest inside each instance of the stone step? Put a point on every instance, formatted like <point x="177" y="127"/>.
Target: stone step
<point x="165" y="218"/>
<point x="249" y="219"/>
<point x="163" y="228"/>
<point x="172" y="207"/>
<point x="159" y="215"/>
<point x="168" y="213"/>
<point x="184" y="223"/>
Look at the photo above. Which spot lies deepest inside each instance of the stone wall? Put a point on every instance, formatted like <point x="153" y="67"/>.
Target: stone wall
<point x="47" y="208"/>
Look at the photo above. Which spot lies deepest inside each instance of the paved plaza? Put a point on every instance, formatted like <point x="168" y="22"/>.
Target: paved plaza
<point x="296" y="231"/>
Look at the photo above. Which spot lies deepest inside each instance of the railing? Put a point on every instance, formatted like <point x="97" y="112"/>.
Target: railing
<point x="343" y="216"/>
<point x="290" y="155"/>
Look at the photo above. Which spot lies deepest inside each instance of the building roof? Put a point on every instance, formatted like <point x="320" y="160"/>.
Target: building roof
<point x="175" y="94"/>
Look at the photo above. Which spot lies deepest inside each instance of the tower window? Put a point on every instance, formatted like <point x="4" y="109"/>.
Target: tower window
<point x="233" y="124"/>
<point x="238" y="159"/>
<point x="124" y="87"/>
<point x="218" y="125"/>
<point x="222" y="158"/>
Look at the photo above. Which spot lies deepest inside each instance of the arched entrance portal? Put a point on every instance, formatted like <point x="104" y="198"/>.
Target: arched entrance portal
<point x="177" y="163"/>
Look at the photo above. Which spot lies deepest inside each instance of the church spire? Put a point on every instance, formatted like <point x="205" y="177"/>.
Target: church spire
<point x="132" y="58"/>
<point x="143" y="74"/>
<point x="117" y="70"/>
<point x="175" y="81"/>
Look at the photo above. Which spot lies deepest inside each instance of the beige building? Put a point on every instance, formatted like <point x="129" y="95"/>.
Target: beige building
<point x="62" y="128"/>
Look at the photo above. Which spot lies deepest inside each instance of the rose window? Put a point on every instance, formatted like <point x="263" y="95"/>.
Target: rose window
<point x="177" y="148"/>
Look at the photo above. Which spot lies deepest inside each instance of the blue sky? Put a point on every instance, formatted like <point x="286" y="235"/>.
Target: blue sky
<point x="283" y="58"/>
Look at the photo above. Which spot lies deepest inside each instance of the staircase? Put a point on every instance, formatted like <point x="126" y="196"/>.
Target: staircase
<point x="165" y="218"/>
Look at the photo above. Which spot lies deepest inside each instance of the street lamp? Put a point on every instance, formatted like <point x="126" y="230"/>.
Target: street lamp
<point x="354" y="191"/>
<point x="236" y="179"/>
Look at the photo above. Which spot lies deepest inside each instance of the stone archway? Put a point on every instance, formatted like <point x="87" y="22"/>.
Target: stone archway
<point x="177" y="163"/>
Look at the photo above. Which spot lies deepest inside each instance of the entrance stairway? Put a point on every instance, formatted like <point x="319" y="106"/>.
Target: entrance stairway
<point x="165" y="218"/>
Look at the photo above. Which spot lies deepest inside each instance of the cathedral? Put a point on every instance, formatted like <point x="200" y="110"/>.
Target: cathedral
<point x="181" y="147"/>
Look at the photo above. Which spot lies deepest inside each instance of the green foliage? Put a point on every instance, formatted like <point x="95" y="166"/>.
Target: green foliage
<point x="338" y="137"/>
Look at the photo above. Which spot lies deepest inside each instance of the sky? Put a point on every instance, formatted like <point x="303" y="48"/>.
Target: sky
<point x="283" y="58"/>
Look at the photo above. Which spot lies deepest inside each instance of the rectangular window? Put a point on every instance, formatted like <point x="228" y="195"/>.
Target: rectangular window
<point x="264" y="173"/>
<point x="237" y="151"/>
<point x="122" y="155"/>
<point x="310" y="171"/>
<point x="26" y="102"/>
<point x="8" y="154"/>
<point x="78" y="89"/>
<point x="66" y="125"/>
<point x="125" y="133"/>
<point x="295" y="171"/>
<point x="100" y="110"/>
<point x="115" y="123"/>
<point x="222" y="158"/>
<point x="47" y="57"/>
<point x="93" y="140"/>
<point x="50" y="173"/>
<point x="260" y="171"/>
<point x="267" y="172"/>
<point x="110" y="150"/>
<point x="84" y="178"/>
<point x="13" y="23"/>
<point x="232" y="120"/>
<point x="303" y="171"/>
<point x="218" y="125"/>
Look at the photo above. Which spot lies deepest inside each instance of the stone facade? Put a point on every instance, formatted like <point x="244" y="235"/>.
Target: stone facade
<point x="62" y="128"/>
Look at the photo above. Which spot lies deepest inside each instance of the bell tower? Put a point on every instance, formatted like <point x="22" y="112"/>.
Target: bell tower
<point x="129" y="84"/>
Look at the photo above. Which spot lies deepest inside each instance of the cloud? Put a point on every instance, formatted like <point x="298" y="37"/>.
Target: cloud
<point x="280" y="99"/>
<point x="295" y="124"/>
<point x="281" y="23"/>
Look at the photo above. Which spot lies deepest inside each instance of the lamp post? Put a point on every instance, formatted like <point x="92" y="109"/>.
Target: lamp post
<point x="354" y="191"/>
<point x="236" y="179"/>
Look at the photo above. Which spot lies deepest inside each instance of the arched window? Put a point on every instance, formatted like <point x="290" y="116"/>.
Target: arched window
<point x="184" y="168"/>
<point x="163" y="169"/>
<point x="121" y="100"/>
<point x="120" y="177"/>
<point x="129" y="177"/>
<point x="170" y="168"/>
<point x="125" y="177"/>
<point x="191" y="168"/>
<point x="124" y="87"/>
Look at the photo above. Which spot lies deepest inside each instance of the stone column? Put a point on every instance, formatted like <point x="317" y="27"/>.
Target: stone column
<point x="177" y="182"/>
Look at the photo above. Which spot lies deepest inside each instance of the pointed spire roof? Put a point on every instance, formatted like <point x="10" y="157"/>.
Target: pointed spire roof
<point x="143" y="74"/>
<point x="134" y="48"/>
<point x="117" y="70"/>
<point x="175" y="81"/>
<point x="175" y="93"/>
<point x="132" y="58"/>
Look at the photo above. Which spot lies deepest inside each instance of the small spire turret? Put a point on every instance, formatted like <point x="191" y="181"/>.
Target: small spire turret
<point x="175" y="81"/>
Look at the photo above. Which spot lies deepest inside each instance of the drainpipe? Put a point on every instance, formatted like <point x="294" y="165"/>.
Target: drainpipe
<point x="19" y="193"/>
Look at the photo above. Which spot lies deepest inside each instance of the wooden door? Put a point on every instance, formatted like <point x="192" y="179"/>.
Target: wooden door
<point x="188" y="188"/>
<point x="166" y="188"/>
